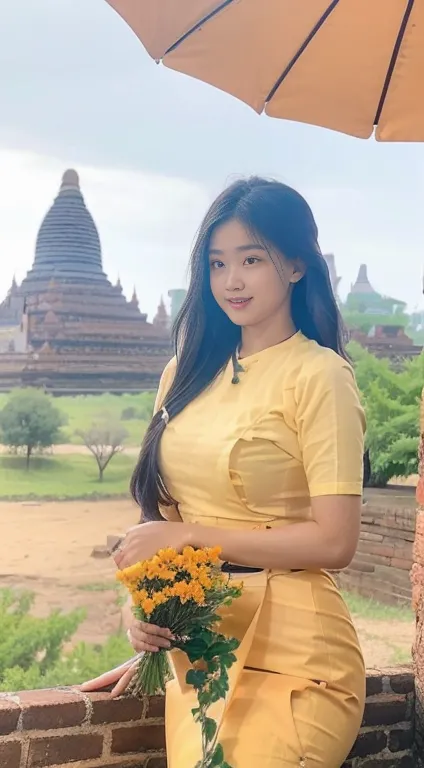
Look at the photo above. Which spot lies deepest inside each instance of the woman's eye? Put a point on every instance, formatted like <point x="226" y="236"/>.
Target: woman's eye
<point x="216" y="264"/>
<point x="252" y="260"/>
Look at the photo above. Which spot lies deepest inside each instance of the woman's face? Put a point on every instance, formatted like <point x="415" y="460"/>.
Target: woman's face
<point x="251" y="284"/>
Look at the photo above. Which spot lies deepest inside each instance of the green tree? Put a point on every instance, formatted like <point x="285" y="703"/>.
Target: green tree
<point x="29" y="420"/>
<point x="32" y="649"/>
<point x="392" y="402"/>
<point x="104" y="439"/>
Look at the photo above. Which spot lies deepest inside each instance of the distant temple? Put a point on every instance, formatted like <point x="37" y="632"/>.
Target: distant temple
<point x="66" y="328"/>
<point x="378" y="322"/>
<point x="334" y="279"/>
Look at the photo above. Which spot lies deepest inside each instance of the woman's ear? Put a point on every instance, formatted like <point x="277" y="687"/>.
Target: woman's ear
<point x="299" y="270"/>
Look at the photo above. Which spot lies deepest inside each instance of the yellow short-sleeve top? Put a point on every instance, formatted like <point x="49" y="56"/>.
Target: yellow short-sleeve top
<point x="291" y="429"/>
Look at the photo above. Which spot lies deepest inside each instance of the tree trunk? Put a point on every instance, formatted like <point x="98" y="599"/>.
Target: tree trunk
<point x="28" y="456"/>
<point x="101" y="470"/>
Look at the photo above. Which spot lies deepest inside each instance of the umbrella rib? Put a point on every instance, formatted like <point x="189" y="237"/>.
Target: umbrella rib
<point x="302" y="49"/>
<point x="393" y="60"/>
<point x="198" y="25"/>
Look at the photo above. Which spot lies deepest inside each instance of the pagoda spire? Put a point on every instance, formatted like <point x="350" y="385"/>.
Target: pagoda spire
<point x="161" y="319"/>
<point x="134" y="298"/>
<point x="334" y="278"/>
<point x="68" y="242"/>
<point x="70" y="180"/>
<point x="362" y="284"/>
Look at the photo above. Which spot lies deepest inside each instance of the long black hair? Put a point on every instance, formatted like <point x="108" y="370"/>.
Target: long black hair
<point x="205" y="339"/>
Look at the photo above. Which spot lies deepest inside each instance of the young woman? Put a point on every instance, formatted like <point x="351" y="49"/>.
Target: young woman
<point x="257" y="446"/>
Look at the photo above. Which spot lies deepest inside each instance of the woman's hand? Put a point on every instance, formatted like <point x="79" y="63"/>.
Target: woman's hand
<point x="144" y="541"/>
<point x="148" y="637"/>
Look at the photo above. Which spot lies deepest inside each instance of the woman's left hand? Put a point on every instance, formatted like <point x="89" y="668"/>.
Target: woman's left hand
<point x="144" y="541"/>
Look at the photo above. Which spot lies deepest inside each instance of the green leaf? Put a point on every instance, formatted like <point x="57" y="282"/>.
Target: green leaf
<point x="195" y="649"/>
<point x="196" y="678"/>
<point x="228" y="659"/>
<point x="217" y="649"/>
<point x="217" y="756"/>
<point x="210" y="727"/>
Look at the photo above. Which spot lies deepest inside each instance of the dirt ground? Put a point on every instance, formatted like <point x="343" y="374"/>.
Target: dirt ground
<point x="46" y="548"/>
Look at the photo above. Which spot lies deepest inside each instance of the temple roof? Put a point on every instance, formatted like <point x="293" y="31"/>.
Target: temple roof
<point x="362" y="284"/>
<point x="68" y="243"/>
<point x="331" y="264"/>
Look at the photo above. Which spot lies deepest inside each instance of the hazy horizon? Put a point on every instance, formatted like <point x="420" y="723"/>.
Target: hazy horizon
<point x="153" y="147"/>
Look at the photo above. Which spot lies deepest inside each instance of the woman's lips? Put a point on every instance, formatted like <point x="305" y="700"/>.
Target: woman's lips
<point x="239" y="303"/>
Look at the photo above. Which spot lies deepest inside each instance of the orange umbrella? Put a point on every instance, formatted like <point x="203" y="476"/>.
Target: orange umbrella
<point x="348" y="65"/>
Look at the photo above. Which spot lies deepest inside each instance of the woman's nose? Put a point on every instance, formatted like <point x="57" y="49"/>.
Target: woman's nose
<point x="234" y="281"/>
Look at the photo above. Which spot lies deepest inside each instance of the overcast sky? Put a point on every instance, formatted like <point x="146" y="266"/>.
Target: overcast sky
<point x="152" y="147"/>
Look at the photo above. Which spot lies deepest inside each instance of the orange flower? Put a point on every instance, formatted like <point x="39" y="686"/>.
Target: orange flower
<point x="148" y="606"/>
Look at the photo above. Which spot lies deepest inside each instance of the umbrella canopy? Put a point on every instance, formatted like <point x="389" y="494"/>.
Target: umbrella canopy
<point x="348" y="65"/>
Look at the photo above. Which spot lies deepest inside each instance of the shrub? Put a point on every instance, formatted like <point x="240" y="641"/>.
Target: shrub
<point x="392" y="402"/>
<point x="32" y="649"/>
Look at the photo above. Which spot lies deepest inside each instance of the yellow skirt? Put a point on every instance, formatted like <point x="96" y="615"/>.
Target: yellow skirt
<point x="297" y="690"/>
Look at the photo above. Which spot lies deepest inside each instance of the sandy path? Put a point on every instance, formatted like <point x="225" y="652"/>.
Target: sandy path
<point x="55" y="540"/>
<point x="47" y="548"/>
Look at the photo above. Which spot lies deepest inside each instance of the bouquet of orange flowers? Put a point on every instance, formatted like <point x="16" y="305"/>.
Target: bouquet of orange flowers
<point x="183" y="592"/>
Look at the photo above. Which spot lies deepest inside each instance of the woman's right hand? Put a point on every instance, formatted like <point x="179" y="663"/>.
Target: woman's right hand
<point x="148" y="637"/>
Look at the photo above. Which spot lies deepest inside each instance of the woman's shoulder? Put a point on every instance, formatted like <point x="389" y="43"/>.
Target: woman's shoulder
<point x="322" y="359"/>
<point x="314" y="365"/>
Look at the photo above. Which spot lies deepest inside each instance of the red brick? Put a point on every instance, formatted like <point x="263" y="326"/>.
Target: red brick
<point x="404" y="550"/>
<point x="10" y="754"/>
<point x="47" y="709"/>
<point x="373" y="558"/>
<point x="374" y="684"/>
<point x="359" y="565"/>
<point x="407" y="761"/>
<point x="402" y="682"/>
<point x="141" y="738"/>
<point x="385" y="710"/>
<point x="156" y="706"/>
<point x="122" y="710"/>
<point x="367" y="535"/>
<point x="397" y="562"/>
<point x="369" y="743"/>
<point x="401" y="739"/>
<point x="395" y="535"/>
<point x="9" y="716"/>
<point x="64" y="749"/>
<point x="373" y="548"/>
<point x="141" y="762"/>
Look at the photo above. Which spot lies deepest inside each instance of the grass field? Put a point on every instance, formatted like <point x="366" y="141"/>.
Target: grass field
<point x="81" y="410"/>
<point x="367" y="608"/>
<point x="69" y="477"/>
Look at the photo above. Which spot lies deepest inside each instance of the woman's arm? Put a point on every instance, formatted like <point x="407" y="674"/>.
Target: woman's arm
<point x="328" y="541"/>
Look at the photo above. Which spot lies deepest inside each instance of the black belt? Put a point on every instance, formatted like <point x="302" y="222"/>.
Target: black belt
<point x="232" y="568"/>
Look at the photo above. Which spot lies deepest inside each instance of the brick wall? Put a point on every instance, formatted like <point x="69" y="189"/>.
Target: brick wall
<point x="62" y="727"/>
<point x="418" y="599"/>
<point x="382" y="564"/>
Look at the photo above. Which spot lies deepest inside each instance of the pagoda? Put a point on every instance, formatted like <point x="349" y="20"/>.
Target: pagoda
<point x="66" y="328"/>
<point x="378" y="322"/>
<point x="330" y="260"/>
